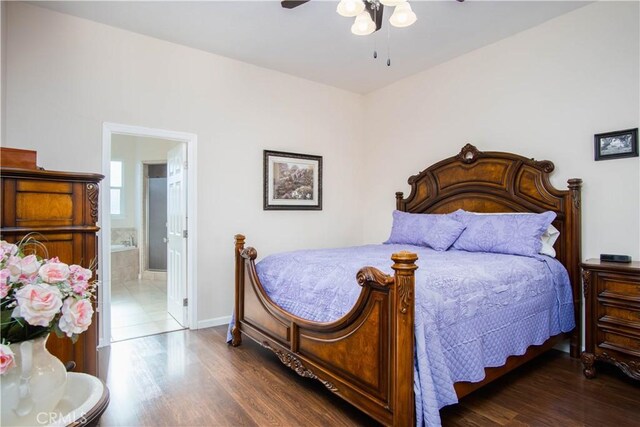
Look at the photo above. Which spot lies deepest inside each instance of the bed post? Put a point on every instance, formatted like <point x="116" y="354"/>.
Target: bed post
<point x="402" y="338"/>
<point x="573" y="260"/>
<point x="399" y="199"/>
<point x="235" y="332"/>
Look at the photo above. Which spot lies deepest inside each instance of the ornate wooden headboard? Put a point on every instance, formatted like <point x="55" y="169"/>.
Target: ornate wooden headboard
<point x="479" y="181"/>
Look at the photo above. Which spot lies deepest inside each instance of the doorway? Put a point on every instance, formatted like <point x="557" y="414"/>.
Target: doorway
<point x="141" y="293"/>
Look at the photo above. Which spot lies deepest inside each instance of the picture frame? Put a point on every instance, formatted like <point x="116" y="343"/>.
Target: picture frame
<point x="616" y="145"/>
<point x="292" y="181"/>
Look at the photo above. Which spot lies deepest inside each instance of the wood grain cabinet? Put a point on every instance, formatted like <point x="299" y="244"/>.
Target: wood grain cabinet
<point x="612" y="327"/>
<point x="62" y="209"/>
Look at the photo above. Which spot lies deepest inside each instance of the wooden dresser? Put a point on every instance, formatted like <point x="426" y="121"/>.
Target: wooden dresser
<point x="62" y="208"/>
<point x="612" y="311"/>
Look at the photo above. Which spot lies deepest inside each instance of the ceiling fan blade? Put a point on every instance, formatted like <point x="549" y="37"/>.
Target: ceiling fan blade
<point x="290" y="4"/>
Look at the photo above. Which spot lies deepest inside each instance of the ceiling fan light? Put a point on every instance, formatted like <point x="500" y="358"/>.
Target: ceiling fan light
<point x="363" y="25"/>
<point x="392" y="3"/>
<point x="350" y="8"/>
<point x="403" y="16"/>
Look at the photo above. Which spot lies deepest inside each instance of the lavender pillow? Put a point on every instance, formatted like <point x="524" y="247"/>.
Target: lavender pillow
<point x="517" y="234"/>
<point x="435" y="231"/>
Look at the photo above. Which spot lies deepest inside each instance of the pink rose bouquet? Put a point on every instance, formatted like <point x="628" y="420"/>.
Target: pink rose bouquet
<point x="38" y="296"/>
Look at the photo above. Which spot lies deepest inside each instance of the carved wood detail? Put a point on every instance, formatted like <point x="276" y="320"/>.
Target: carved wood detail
<point x="405" y="293"/>
<point x="374" y="276"/>
<point x="545" y="166"/>
<point x="236" y="336"/>
<point x="404" y="267"/>
<point x="574" y="186"/>
<point x="92" y="196"/>
<point x="296" y="365"/>
<point x="249" y="253"/>
<point x="588" y="360"/>
<point x="586" y="282"/>
<point x="468" y="154"/>
<point x="630" y="367"/>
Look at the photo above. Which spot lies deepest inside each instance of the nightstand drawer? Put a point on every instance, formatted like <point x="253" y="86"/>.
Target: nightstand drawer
<point x="619" y="286"/>
<point x="615" y="312"/>
<point x="621" y="342"/>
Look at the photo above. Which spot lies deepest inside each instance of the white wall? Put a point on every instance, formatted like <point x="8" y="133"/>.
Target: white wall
<point x="542" y="93"/>
<point x="3" y="68"/>
<point x="132" y="151"/>
<point x="66" y="76"/>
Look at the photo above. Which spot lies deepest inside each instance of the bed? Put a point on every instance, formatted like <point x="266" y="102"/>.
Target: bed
<point x="366" y="356"/>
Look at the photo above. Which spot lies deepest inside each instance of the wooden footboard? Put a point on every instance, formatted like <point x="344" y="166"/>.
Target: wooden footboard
<point x="366" y="357"/>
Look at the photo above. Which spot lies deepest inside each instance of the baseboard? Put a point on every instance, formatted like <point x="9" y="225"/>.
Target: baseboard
<point x="563" y="346"/>
<point x="216" y="321"/>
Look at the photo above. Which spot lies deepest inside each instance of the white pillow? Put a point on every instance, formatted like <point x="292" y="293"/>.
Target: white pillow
<point x="548" y="238"/>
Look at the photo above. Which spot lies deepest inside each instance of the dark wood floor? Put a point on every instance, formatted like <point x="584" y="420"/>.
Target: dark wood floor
<point x="192" y="378"/>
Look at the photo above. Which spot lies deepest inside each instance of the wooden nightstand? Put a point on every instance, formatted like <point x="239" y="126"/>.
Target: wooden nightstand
<point x="612" y="316"/>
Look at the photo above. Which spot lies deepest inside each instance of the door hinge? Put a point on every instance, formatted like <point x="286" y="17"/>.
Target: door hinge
<point x="185" y="302"/>
<point x="185" y="233"/>
<point x="186" y="165"/>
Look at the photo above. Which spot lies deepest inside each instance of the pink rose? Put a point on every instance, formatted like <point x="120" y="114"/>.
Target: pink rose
<point x="76" y="316"/>
<point x="7" y="360"/>
<point x="23" y="269"/>
<point x="54" y="272"/>
<point x="7" y="249"/>
<point x="79" y="278"/>
<point x="80" y="287"/>
<point x="38" y="304"/>
<point x="79" y="274"/>
<point x="4" y="282"/>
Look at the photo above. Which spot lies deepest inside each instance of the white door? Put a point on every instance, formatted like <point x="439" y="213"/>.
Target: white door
<point x="177" y="233"/>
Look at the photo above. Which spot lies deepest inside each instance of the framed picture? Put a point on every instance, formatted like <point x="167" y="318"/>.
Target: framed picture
<point x="614" y="145"/>
<point x="292" y="181"/>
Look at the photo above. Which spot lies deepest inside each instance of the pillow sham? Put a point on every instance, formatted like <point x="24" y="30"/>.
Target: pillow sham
<point x="508" y="233"/>
<point x="548" y="238"/>
<point x="435" y="231"/>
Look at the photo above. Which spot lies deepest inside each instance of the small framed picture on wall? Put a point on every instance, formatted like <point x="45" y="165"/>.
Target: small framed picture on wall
<point x="615" y="145"/>
<point x="292" y="181"/>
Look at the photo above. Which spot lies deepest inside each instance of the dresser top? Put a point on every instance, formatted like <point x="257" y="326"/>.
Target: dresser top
<point x="41" y="174"/>
<point x="594" y="263"/>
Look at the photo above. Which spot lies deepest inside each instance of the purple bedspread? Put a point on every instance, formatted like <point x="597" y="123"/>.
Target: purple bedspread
<point x="473" y="310"/>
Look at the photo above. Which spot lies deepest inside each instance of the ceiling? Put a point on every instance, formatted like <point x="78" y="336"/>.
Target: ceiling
<point x="314" y="42"/>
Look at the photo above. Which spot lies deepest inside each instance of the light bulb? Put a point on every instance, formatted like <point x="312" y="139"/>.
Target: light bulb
<point x="350" y="8"/>
<point x="363" y="25"/>
<point x="403" y="16"/>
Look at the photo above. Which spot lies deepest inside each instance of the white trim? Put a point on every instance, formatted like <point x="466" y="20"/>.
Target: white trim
<point x="216" y="321"/>
<point x="104" y="290"/>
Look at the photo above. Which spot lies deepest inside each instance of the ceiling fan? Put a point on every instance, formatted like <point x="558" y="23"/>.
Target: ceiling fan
<point x="374" y="7"/>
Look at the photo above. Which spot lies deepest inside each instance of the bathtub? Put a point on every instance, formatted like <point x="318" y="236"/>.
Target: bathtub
<point x="125" y="263"/>
<point x="121" y="248"/>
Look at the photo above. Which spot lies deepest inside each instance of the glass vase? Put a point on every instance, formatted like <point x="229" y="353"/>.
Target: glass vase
<point x="32" y="389"/>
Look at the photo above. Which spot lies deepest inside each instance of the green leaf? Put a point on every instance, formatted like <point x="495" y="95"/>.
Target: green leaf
<point x="58" y="331"/>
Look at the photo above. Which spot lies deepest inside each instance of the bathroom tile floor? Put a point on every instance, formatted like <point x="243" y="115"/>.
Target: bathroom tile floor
<point x="139" y="308"/>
